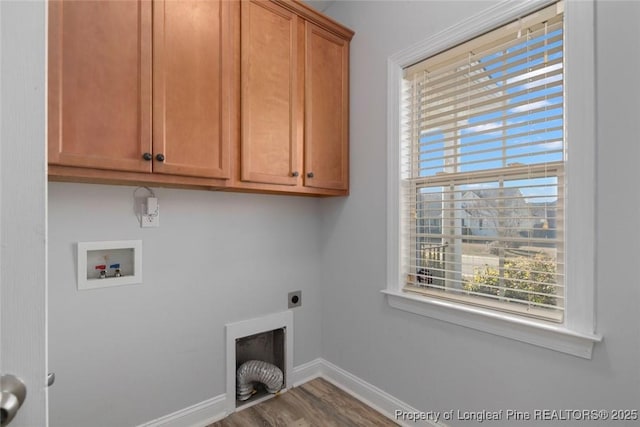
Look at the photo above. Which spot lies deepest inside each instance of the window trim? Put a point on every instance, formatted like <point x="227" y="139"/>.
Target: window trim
<point x="576" y="335"/>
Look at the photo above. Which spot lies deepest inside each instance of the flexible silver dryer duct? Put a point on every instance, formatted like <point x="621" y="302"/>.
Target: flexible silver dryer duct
<point x="257" y="371"/>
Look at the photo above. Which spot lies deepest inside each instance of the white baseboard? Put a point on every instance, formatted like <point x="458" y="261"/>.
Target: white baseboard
<point x="367" y="393"/>
<point x="198" y="415"/>
<point x="307" y="371"/>
<point x="215" y="409"/>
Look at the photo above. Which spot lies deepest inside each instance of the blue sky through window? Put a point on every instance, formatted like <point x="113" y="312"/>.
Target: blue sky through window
<point x="527" y="129"/>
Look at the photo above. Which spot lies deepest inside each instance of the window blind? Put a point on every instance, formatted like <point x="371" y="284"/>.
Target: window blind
<point x="483" y="160"/>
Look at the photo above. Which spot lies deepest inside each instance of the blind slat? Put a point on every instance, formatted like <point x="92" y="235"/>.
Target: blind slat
<point x="484" y="84"/>
<point x="514" y="50"/>
<point x="465" y="110"/>
<point x="517" y="111"/>
<point x="514" y="30"/>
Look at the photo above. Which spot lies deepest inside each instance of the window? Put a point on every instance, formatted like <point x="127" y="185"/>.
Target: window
<point x="484" y="146"/>
<point x="479" y="219"/>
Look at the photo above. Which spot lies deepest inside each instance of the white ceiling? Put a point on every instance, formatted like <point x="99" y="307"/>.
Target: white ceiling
<point x="320" y="5"/>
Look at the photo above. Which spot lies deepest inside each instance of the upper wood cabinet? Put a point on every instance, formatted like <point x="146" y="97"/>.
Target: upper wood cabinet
<point x="326" y="109"/>
<point x="100" y="89"/>
<point x="192" y="87"/>
<point x="245" y="95"/>
<point x="271" y="94"/>
<point x="99" y="103"/>
<point x="295" y="100"/>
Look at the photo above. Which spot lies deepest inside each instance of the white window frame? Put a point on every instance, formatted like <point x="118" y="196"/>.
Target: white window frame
<point x="576" y="335"/>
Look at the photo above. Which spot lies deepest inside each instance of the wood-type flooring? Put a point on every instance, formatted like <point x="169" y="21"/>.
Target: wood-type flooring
<point x="316" y="403"/>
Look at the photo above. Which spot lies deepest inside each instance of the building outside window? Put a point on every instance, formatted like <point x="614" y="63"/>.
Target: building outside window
<point x="479" y="212"/>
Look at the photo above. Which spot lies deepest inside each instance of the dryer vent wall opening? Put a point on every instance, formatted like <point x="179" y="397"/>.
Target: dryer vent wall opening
<point x="259" y="359"/>
<point x="257" y="371"/>
<point x="260" y="365"/>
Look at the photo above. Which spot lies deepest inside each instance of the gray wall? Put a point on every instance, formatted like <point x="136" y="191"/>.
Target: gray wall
<point x="127" y="355"/>
<point x="434" y="365"/>
<point x="131" y="354"/>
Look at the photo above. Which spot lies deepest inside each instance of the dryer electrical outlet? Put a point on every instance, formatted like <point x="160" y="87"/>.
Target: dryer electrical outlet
<point x="151" y="213"/>
<point x="294" y="299"/>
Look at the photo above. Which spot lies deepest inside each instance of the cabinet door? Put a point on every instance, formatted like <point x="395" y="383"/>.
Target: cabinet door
<point x="193" y="94"/>
<point x="326" y="109"/>
<point x="271" y="94"/>
<point x="99" y="103"/>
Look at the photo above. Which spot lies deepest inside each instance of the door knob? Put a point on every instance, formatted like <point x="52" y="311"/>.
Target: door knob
<point x="160" y="157"/>
<point x="51" y="378"/>
<point x="12" y="395"/>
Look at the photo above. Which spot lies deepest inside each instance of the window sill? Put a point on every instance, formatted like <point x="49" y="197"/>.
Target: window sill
<point x="553" y="337"/>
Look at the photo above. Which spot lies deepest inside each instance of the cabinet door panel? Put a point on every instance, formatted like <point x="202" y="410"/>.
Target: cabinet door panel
<point x="100" y="84"/>
<point x="326" y="110"/>
<point x="270" y="74"/>
<point x="192" y="90"/>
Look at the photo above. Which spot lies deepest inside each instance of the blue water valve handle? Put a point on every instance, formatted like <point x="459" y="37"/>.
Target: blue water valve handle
<point x="114" y="266"/>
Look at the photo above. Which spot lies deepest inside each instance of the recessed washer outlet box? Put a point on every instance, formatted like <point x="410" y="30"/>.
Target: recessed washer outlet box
<point x="110" y="263"/>
<point x="295" y="299"/>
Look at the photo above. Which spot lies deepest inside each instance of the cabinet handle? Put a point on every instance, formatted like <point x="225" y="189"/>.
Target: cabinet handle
<point x="160" y="157"/>
<point x="310" y="175"/>
<point x="147" y="156"/>
<point x="294" y="174"/>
